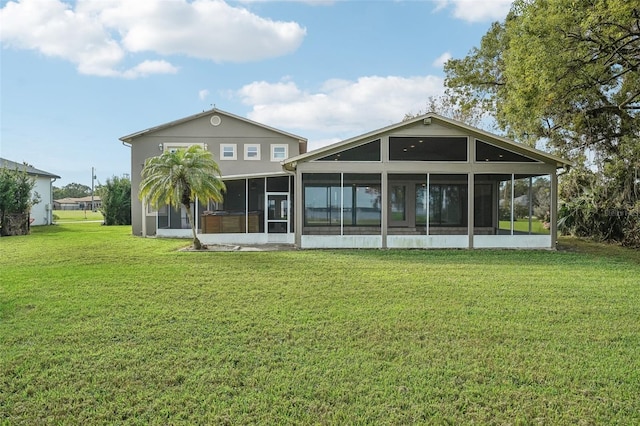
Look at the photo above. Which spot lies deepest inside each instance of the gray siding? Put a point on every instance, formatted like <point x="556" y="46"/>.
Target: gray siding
<point x="231" y="130"/>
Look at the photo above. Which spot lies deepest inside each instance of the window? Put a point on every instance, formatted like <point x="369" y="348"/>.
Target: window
<point x="488" y="152"/>
<point x="358" y="200"/>
<point x="321" y="199"/>
<point x="174" y="146"/>
<point x="228" y="151"/>
<point x="279" y="152"/>
<point x="419" y="148"/>
<point x="483" y="205"/>
<point x="251" y="152"/>
<point x="367" y="152"/>
<point x="364" y="202"/>
<point x="447" y="205"/>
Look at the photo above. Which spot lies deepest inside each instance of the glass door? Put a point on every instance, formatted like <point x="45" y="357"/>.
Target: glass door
<point x="277" y="213"/>
<point x="398" y="205"/>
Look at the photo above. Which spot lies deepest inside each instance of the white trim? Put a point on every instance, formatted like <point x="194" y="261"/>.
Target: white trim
<point x="255" y="175"/>
<point x="233" y="146"/>
<point x="275" y="158"/>
<point x="174" y="233"/>
<point x="250" y="238"/>
<point x="149" y="210"/>
<point x="428" y="241"/>
<point x="247" y="157"/>
<point x="513" y="241"/>
<point x="344" y="241"/>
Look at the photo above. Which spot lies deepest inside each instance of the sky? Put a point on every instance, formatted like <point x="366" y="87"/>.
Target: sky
<point x="75" y="76"/>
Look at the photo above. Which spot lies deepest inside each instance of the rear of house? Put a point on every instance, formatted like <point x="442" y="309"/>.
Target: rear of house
<point x="430" y="182"/>
<point x="256" y="208"/>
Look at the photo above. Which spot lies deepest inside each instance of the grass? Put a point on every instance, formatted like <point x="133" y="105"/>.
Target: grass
<point x="522" y="225"/>
<point x="76" y="216"/>
<point x="97" y="326"/>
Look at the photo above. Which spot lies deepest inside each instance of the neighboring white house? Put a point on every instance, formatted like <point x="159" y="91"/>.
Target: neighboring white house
<point x="41" y="213"/>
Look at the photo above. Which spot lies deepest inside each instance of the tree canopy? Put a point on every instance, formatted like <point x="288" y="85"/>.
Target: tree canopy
<point x="566" y="73"/>
<point x="176" y="178"/>
<point x="71" y="190"/>
<point x="561" y="70"/>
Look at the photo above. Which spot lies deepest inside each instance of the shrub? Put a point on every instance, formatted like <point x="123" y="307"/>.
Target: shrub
<point x="16" y="200"/>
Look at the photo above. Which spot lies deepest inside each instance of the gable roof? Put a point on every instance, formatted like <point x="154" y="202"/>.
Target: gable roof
<point x="29" y="169"/>
<point x="290" y="163"/>
<point x="129" y="138"/>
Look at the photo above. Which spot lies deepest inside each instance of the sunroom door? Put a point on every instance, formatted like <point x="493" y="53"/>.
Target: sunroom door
<point x="398" y="205"/>
<point x="277" y="213"/>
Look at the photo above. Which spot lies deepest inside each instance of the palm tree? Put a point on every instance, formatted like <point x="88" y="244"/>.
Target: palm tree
<point x="177" y="178"/>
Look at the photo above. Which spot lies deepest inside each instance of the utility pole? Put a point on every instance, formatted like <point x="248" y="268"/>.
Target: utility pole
<point x="93" y="178"/>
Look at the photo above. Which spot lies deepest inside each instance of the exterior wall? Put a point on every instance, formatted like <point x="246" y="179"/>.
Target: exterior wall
<point x="200" y="130"/>
<point x="41" y="212"/>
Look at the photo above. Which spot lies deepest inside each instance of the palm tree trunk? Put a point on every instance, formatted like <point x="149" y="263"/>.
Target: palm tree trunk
<point x="196" y="242"/>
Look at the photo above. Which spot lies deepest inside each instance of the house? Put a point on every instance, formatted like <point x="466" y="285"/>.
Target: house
<point x="40" y="212"/>
<point x="82" y="203"/>
<point x="249" y="155"/>
<point x="429" y="182"/>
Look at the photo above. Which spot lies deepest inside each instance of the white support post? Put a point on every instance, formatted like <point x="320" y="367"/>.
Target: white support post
<point x="341" y="204"/>
<point x="512" y="194"/>
<point x="471" y="207"/>
<point x="426" y="206"/>
<point x="384" y="222"/>
<point x="246" y="205"/>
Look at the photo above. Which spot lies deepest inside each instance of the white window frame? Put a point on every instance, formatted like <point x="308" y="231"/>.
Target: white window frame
<point x="233" y="146"/>
<point x="246" y="151"/>
<point x="273" y="152"/>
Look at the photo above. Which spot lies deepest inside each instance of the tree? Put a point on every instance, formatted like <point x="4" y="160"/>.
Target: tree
<point x="116" y="201"/>
<point x="16" y="199"/>
<point x="561" y="70"/>
<point x="566" y="73"/>
<point x="177" y="178"/>
<point x="71" y="190"/>
<point x="447" y="107"/>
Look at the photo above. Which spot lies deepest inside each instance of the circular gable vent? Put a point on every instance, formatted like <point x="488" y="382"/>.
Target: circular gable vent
<point x="215" y="120"/>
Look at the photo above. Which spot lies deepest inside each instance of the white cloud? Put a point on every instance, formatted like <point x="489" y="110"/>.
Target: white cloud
<point x="97" y="35"/>
<point x="339" y="107"/>
<point x="146" y="68"/>
<point x="310" y="2"/>
<point x="441" y="60"/>
<point x="261" y="92"/>
<point x="476" y="10"/>
<point x="202" y="94"/>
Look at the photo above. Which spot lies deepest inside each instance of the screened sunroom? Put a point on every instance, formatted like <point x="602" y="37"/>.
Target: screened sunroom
<point x="429" y="182"/>
<point x="255" y="210"/>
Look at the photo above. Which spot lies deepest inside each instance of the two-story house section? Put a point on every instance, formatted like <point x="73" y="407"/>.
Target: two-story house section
<point x="257" y="203"/>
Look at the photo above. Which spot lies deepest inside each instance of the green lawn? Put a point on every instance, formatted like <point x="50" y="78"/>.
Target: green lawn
<point x="76" y="215"/>
<point x="97" y="326"/>
<point x="522" y="225"/>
